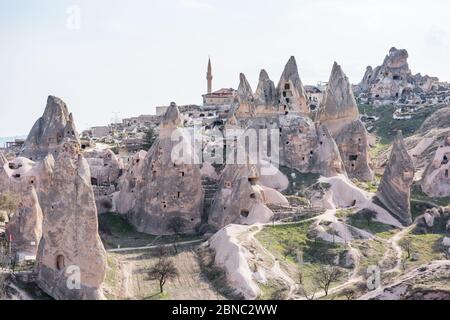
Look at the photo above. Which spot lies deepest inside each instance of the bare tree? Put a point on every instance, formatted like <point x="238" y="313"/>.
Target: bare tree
<point x="406" y="244"/>
<point x="164" y="270"/>
<point x="325" y="275"/>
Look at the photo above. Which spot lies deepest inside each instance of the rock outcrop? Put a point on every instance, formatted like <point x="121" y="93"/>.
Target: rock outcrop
<point x="50" y="130"/>
<point x="126" y="197"/>
<point x="71" y="260"/>
<point x="19" y="178"/>
<point x="290" y="90"/>
<point x="395" y="186"/>
<point x="170" y="187"/>
<point x="339" y="108"/>
<point x="241" y="199"/>
<point x="354" y="149"/>
<point x="436" y="179"/>
<point x="339" y="113"/>
<point x="105" y="167"/>
<point x="393" y="81"/>
<point x="246" y="99"/>
<point x="266" y="94"/>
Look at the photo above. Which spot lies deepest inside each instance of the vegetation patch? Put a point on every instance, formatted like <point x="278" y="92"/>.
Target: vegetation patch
<point x="420" y="249"/>
<point x="117" y="232"/>
<point x="386" y="126"/>
<point x="299" y="182"/>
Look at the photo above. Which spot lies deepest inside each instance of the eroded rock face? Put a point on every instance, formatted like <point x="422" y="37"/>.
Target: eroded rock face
<point x="291" y="93"/>
<point x="289" y="97"/>
<point x="436" y="179"/>
<point x="246" y="99"/>
<point x="354" y="149"/>
<point x="171" y="186"/>
<point x="395" y="186"/>
<point x="339" y="107"/>
<point x="339" y="113"/>
<point x="25" y="225"/>
<point x="70" y="247"/>
<point x="105" y="167"/>
<point x="303" y="145"/>
<point x="20" y="177"/>
<point x="266" y="94"/>
<point x="394" y="81"/>
<point x="126" y="197"/>
<point x="240" y="198"/>
<point x="50" y="130"/>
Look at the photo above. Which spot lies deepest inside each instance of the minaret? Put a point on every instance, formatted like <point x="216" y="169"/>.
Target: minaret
<point x="209" y="76"/>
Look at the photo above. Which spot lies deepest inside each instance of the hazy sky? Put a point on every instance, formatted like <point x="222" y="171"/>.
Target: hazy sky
<point x="129" y="56"/>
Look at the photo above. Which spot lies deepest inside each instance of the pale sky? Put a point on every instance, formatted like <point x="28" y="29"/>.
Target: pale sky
<point x="130" y="56"/>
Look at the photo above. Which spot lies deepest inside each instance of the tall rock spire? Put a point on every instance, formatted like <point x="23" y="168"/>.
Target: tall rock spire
<point x="245" y="97"/>
<point x="265" y="94"/>
<point x="50" y="130"/>
<point x="209" y="77"/>
<point x="291" y="92"/>
<point x="339" y="106"/>
<point x="395" y="186"/>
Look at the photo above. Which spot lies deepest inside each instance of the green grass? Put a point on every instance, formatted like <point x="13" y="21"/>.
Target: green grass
<point x="116" y="231"/>
<point x="278" y="239"/>
<point x="428" y="246"/>
<point x="358" y="220"/>
<point x="418" y="195"/>
<point x="372" y="252"/>
<point x="298" y="182"/>
<point x="376" y="228"/>
<point x="386" y="127"/>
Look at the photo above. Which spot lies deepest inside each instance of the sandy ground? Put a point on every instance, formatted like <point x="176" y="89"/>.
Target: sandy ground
<point x="190" y="284"/>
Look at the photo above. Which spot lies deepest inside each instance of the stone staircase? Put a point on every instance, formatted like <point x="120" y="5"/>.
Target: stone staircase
<point x="210" y="187"/>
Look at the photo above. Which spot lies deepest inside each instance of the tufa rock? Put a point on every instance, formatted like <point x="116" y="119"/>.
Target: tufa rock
<point x="339" y="108"/>
<point x="290" y="91"/>
<point x="170" y="186"/>
<point x="354" y="148"/>
<point x="70" y="248"/>
<point x="50" y="130"/>
<point x="394" y="189"/>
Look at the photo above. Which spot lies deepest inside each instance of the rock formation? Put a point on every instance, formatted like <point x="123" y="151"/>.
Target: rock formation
<point x="241" y="199"/>
<point x="339" y="107"/>
<point x="18" y="178"/>
<point x="126" y="197"/>
<point x="266" y="94"/>
<point x="290" y="90"/>
<point x="71" y="261"/>
<point x="105" y="167"/>
<point x="394" y="81"/>
<point x="245" y="97"/>
<point x="394" y="189"/>
<point x="354" y="149"/>
<point x="339" y="113"/>
<point x="436" y="179"/>
<point x="171" y="186"/>
<point x="49" y="131"/>
<point x="328" y="161"/>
